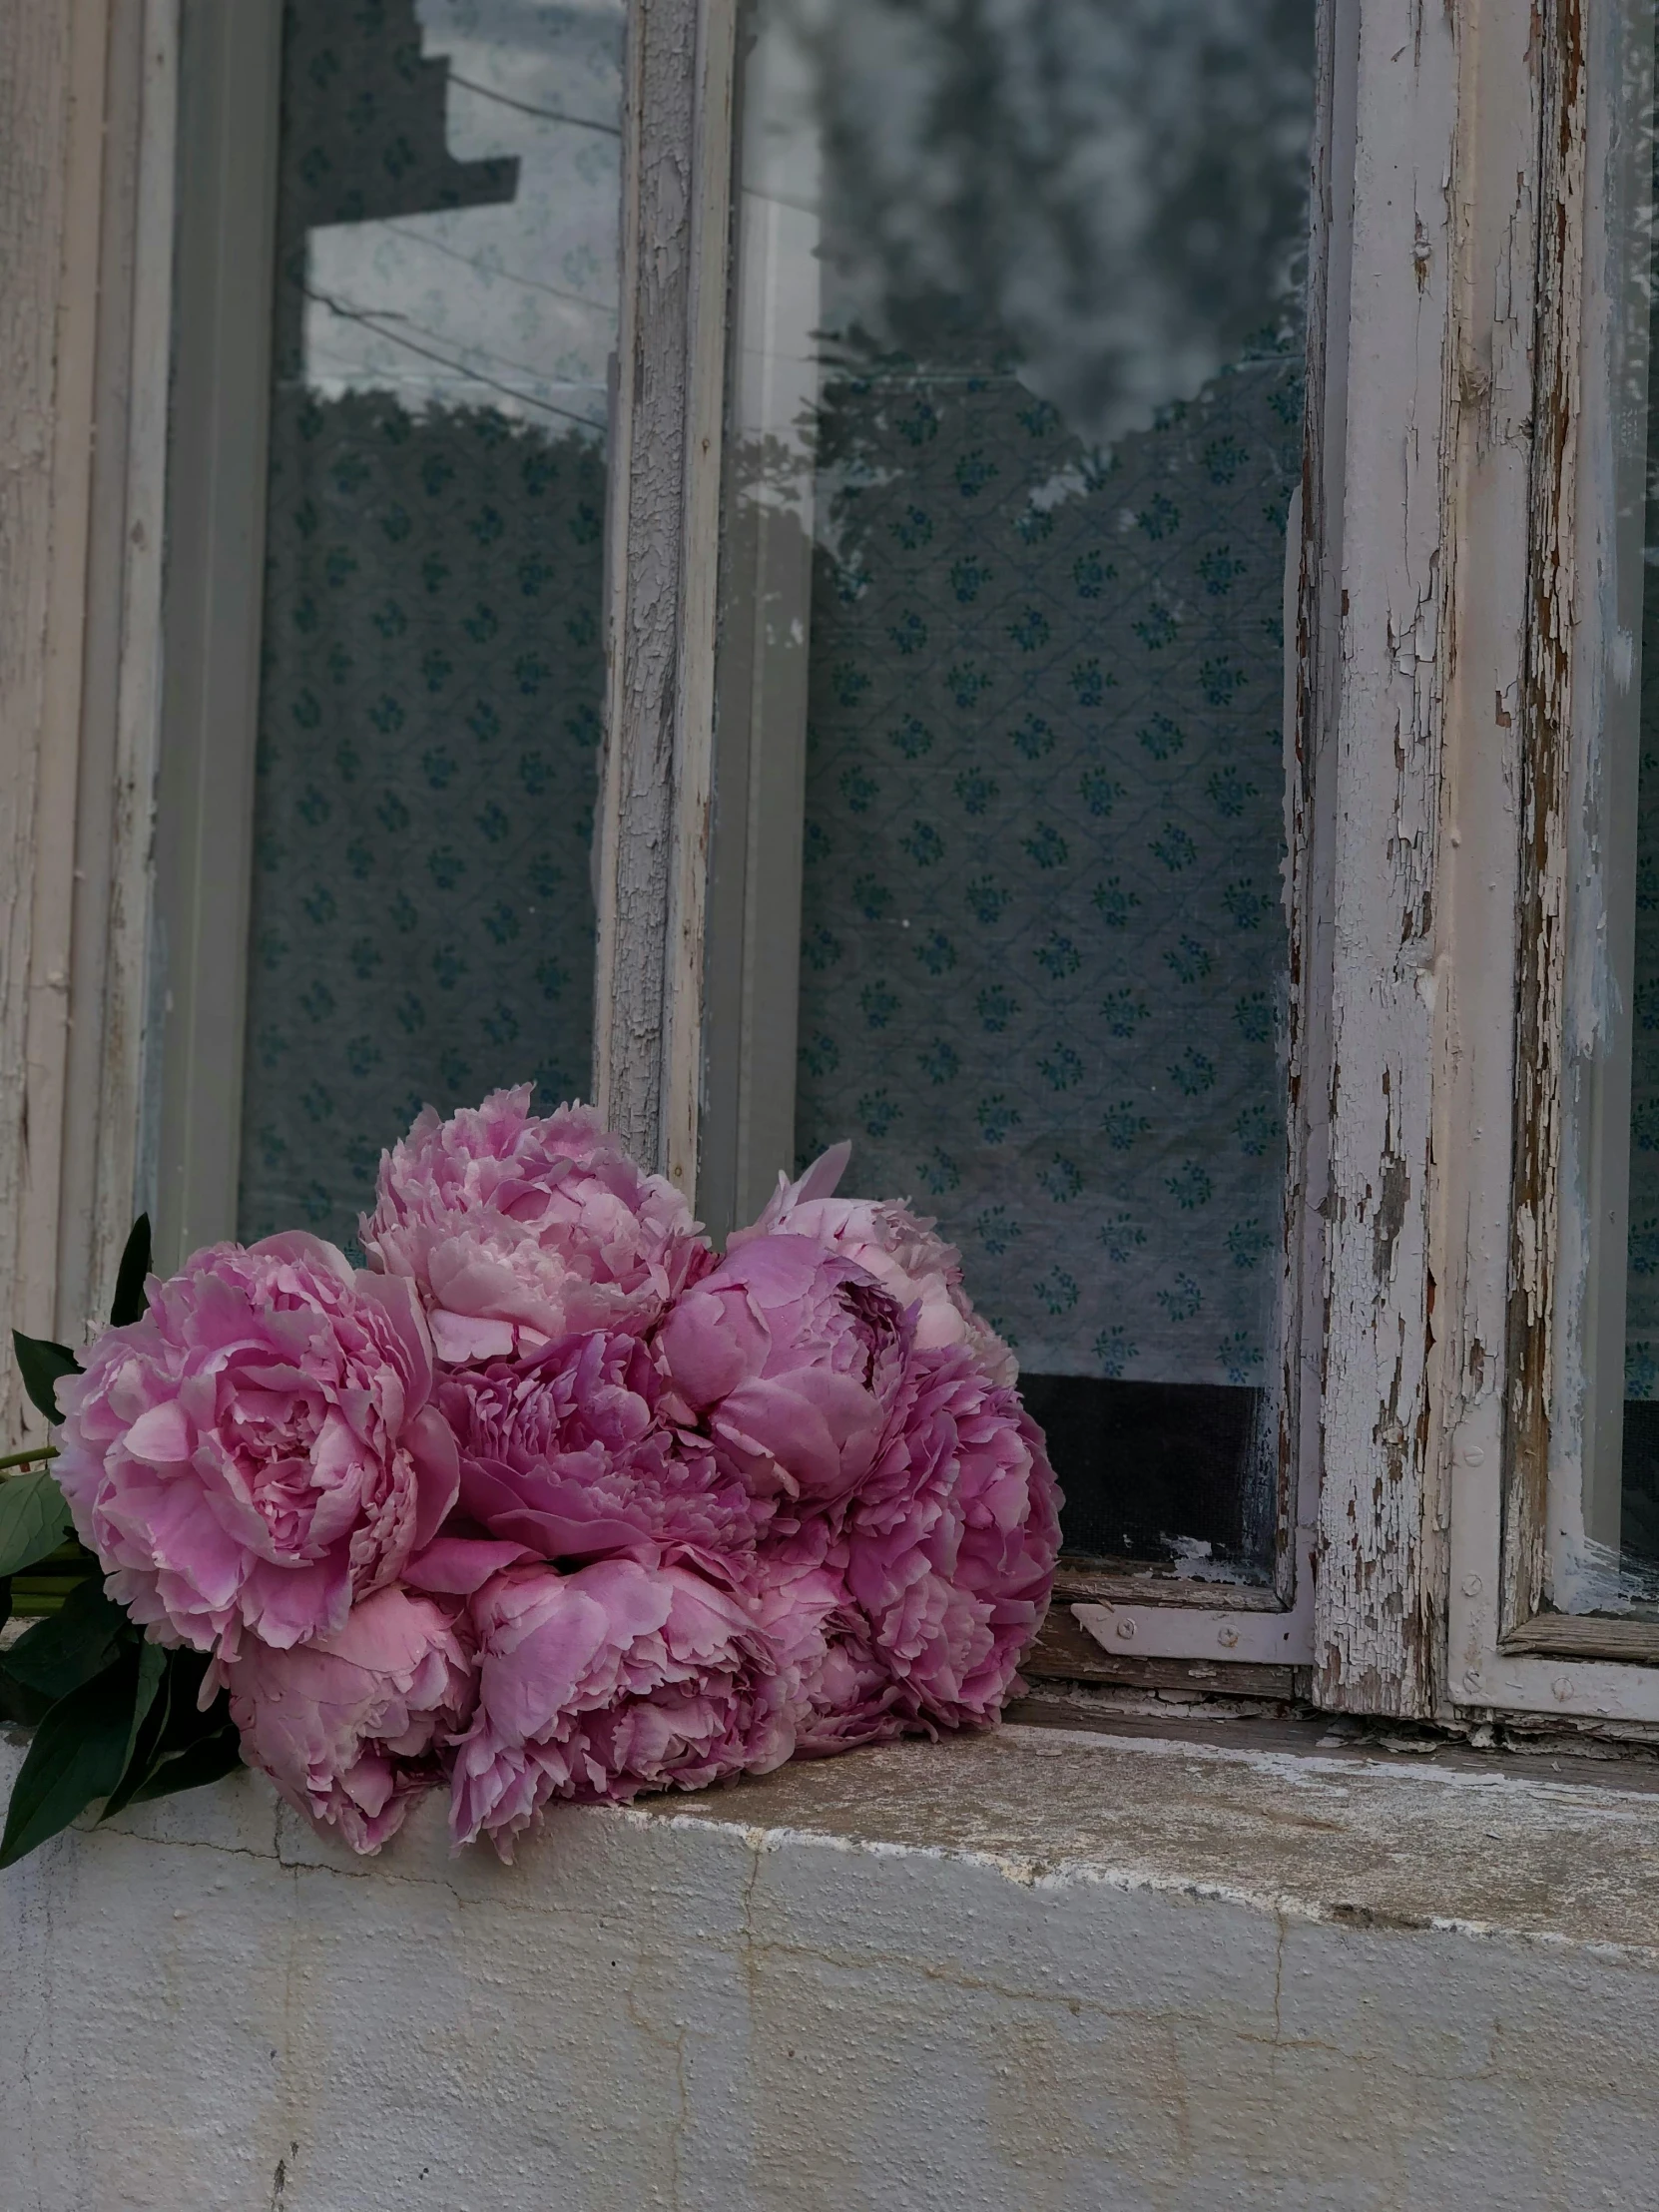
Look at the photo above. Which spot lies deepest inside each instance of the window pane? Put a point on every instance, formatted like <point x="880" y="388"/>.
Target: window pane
<point x="433" y="677"/>
<point x="1014" y="437"/>
<point x="1637" y="1534"/>
<point x="1603" y="1540"/>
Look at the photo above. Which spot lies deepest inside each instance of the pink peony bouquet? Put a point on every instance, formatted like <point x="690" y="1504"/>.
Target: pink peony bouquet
<point x="550" y="1500"/>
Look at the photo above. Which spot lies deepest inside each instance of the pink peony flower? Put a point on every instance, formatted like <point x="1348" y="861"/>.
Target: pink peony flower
<point x="603" y="1683"/>
<point x="793" y="1355"/>
<point x="841" y="1692"/>
<point x="350" y="1728"/>
<point x="520" y="1229"/>
<point x="569" y="1455"/>
<point x="259" y="1450"/>
<point x="896" y="1245"/>
<point x="952" y="1542"/>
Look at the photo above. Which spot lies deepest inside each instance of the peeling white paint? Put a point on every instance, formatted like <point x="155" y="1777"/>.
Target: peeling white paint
<point x="85" y="255"/>
<point x="1375" y="1628"/>
<point x="664" y="461"/>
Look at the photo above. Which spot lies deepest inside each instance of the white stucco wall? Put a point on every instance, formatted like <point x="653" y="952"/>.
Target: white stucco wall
<point x="1035" y="1972"/>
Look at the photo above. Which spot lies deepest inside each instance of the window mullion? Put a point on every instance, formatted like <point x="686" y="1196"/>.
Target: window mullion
<point x="1376" y="1579"/>
<point x="213" y="612"/>
<point x="1533" y="884"/>
<point x="651" y="835"/>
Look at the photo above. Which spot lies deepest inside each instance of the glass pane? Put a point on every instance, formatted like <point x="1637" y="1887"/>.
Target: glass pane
<point x="1636" y="1536"/>
<point x="1603" y="1549"/>
<point x="432" y="679"/>
<point x="1014" y="438"/>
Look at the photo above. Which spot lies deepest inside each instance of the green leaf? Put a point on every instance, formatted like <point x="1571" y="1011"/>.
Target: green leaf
<point x="205" y="1761"/>
<point x="70" y="1646"/>
<point x="78" y="1753"/>
<point x="23" y="1707"/>
<point x="178" y="1746"/>
<point x="145" y="1751"/>
<point x="129" y="1282"/>
<point x="33" y="1517"/>
<point x="186" y="1722"/>
<point x="152" y="1665"/>
<point x="70" y="1562"/>
<point x="43" y="1367"/>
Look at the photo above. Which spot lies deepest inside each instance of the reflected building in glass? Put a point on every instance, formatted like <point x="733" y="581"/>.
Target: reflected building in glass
<point x="433" y="667"/>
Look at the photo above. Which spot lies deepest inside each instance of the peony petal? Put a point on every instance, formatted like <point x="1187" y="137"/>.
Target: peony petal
<point x="386" y="1634"/>
<point x="345" y="1726"/>
<point x="313" y="1251"/>
<point x="162" y="1435"/>
<point x="400" y="1300"/>
<point x="461" y="1565"/>
<point x="467" y="1278"/>
<point x="430" y="1443"/>
<point x="711" y="1344"/>
<point x="457" y="1338"/>
<point x="285" y="1605"/>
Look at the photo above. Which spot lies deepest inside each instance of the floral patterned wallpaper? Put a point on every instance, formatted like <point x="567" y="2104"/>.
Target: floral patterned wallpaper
<point x="1044" y="951"/>
<point x="432" y="679"/>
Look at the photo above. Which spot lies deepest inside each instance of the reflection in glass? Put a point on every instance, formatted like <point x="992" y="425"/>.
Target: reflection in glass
<point x="433" y="676"/>
<point x="1014" y="435"/>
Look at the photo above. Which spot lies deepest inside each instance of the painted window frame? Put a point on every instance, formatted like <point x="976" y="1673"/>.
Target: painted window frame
<point x="1447" y="335"/>
<point x="1525" y="1253"/>
<point x="1438" y="645"/>
<point x="87" y="200"/>
<point x="229" y="71"/>
<point x="1154" y="1629"/>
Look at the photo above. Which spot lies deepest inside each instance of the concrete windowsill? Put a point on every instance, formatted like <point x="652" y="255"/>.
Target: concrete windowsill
<point x="1042" y="1970"/>
<point x="1462" y="1840"/>
<point x="1278" y="1818"/>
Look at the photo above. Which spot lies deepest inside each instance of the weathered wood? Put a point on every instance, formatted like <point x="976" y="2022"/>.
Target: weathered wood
<point x="90" y="884"/>
<point x="37" y="438"/>
<point x="114" y="833"/>
<point x="633" y="831"/>
<point x="1477" y="1075"/>
<point x="1547" y="721"/>
<point x="218" y="437"/>
<point x="694" y="718"/>
<point x="1141" y="1585"/>
<point x="1573" y="1635"/>
<point x="1313" y="629"/>
<point x="86" y="152"/>
<point x="1376" y="1629"/>
<point x="57" y="790"/>
<point x="119" y="1172"/>
<point x="1532" y="609"/>
<point x="663" y="520"/>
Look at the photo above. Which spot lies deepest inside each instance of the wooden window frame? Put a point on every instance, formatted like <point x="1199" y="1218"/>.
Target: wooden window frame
<point x="1439" y="678"/>
<point x="1544" y="634"/>
<point x="229" y="79"/>
<point x="86" y="249"/>
<point x="1347" y="1613"/>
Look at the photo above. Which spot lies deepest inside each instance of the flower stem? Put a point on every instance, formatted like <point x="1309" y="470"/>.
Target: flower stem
<point x="28" y="1457"/>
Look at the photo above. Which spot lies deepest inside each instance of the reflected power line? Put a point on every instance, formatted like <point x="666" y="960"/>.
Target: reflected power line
<point x="483" y="268"/>
<point x="379" y="325"/>
<point x="547" y="114"/>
